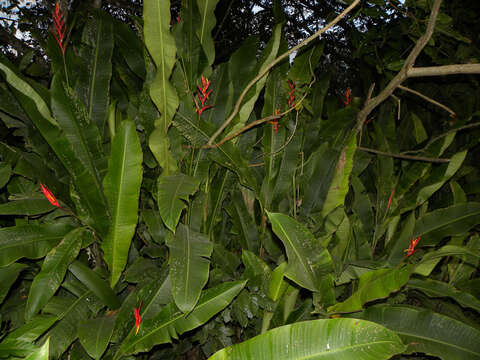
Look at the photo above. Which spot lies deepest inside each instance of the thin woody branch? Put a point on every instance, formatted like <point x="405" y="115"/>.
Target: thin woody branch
<point x="419" y="94"/>
<point x="405" y="157"/>
<point x="444" y="70"/>
<point x="236" y="109"/>
<point x="403" y="73"/>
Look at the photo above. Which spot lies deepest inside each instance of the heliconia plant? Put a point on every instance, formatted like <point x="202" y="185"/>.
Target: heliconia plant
<point x="163" y="204"/>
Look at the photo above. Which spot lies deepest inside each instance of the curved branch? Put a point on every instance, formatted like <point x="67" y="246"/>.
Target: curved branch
<point x="272" y="64"/>
<point x="403" y="73"/>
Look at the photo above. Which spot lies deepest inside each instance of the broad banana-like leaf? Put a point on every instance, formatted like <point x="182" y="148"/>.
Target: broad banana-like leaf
<point x="71" y="312"/>
<point x="8" y="275"/>
<point x="207" y="23"/>
<point x="340" y="182"/>
<point x="95" y="334"/>
<point x="30" y="241"/>
<point x="268" y="55"/>
<point x="154" y="295"/>
<point x="97" y="49"/>
<point x="20" y="341"/>
<point x="25" y="88"/>
<point x="451" y="221"/>
<point x="122" y="189"/>
<point x="243" y="222"/>
<point x="427" y="332"/>
<point x="437" y="178"/>
<point x="161" y="46"/>
<point x="84" y="139"/>
<point x="376" y="284"/>
<point x="346" y="339"/>
<point x="46" y="283"/>
<point x="308" y="261"/>
<point x="173" y="191"/>
<point x="170" y="322"/>
<point x="277" y="284"/>
<point x="5" y="173"/>
<point x="435" y="288"/>
<point x="189" y="266"/>
<point x="95" y="284"/>
<point x="41" y="353"/>
<point x="26" y="207"/>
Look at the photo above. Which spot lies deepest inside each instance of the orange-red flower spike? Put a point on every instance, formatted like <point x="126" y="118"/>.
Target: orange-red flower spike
<point x="411" y="248"/>
<point x="138" y="318"/>
<point x="50" y="197"/>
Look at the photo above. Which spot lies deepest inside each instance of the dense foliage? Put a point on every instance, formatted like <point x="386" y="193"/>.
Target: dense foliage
<point x="166" y="194"/>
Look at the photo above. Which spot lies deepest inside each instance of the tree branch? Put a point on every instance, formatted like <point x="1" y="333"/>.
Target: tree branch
<point x="275" y="62"/>
<point x="444" y="70"/>
<point x="419" y="94"/>
<point x="406" y="157"/>
<point x="403" y="73"/>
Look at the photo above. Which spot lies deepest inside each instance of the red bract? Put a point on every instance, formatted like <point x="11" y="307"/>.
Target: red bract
<point x="291" y="94"/>
<point x="203" y="93"/>
<point x="50" y="197"/>
<point x="138" y="318"/>
<point x="275" y="122"/>
<point x="60" y="27"/>
<point x="347" y="97"/>
<point x="390" y="198"/>
<point x="411" y="248"/>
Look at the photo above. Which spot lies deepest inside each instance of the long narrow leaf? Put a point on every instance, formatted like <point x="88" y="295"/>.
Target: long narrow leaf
<point x="189" y="264"/>
<point x="122" y="189"/>
<point x="307" y="260"/>
<point x="95" y="284"/>
<point x="173" y="191"/>
<point x="30" y="241"/>
<point x="54" y="267"/>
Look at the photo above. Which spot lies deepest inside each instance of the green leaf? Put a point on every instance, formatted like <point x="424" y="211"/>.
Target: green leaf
<point x="437" y="178"/>
<point x="427" y="332"/>
<point x="244" y="223"/>
<point x="420" y="132"/>
<point x="97" y="39"/>
<point x="172" y="192"/>
<point x="207" y="23"/>
<point x="95" y="334"/>
<point x="267" y="56"/>
<point x="40" y="354"/>
<point x="340" y="182"/>
<point x="5" y="173"/>
<point x="32" y="330"/>
<point x="46" y="283"/>
<point x="161" y="46"/>
<point x="434" y="288"/>
<point x="451" y="221"/>
<point x="189" y="265"/>
<point x="122" y="189"/>
<point x="308" y="261"/>
<point x="95" y="284"/>
<point x="30" y="241"/>
<point x="84" y="140"/>
<point x="27" y="207"/>
<point x="277" y="283"/>
<point x="347" y="339"/>
<point x="373" y="285"/>
<point x="8" y="275"/>
<point x="154" y="295"/>
<point x="170" y="322"/>
<point x="70" y="312"/>
<point x="24" y="87"/>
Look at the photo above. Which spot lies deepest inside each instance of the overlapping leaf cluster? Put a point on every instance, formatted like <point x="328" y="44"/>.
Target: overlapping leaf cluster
<point x="275" y="233"/>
